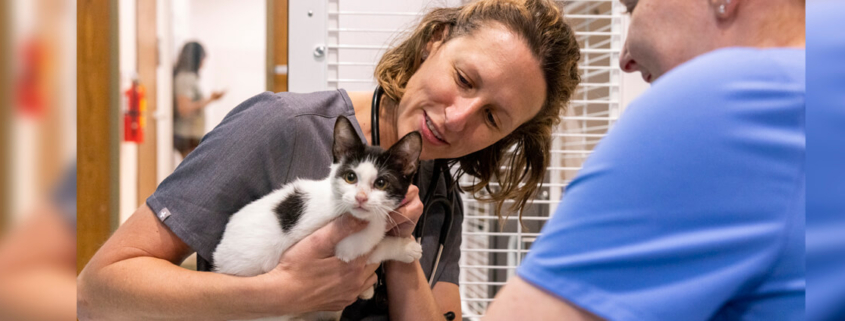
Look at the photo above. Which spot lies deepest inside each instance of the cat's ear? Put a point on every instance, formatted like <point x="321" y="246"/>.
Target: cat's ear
<point x="407" y="151"/>
<point x="346" y="140"/>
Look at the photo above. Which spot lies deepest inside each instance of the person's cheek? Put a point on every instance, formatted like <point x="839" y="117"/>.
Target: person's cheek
<point x="441" y="91"/>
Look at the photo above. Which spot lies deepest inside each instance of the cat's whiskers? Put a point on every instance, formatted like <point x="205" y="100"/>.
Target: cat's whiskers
<point x="385" y="213"/>
<point x="400" y="214"/>
<point x="339" y="207"/>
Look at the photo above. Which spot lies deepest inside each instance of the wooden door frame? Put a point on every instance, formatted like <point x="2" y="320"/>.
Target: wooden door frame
<point x="5" y="115"/>
<point x="147" y="65"/>
<point x="277" y="44"/>
<point x="97" y="125"/>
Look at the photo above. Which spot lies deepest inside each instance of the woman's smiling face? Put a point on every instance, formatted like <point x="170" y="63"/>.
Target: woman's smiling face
<point x="471" y="91"/>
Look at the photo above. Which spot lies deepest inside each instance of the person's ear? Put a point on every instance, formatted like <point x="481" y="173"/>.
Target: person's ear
<point x="437" y="39"/>
<point x="724" y="9"/>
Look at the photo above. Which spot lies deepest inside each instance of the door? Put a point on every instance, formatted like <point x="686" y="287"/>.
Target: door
<point x="277" y="45"/>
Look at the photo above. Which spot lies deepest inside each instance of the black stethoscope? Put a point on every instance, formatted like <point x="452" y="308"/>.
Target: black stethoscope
<point x="429" y="201"/>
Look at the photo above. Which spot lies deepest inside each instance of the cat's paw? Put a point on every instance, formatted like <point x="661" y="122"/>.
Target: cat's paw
<point x="367" y="294"/>
<point x="345" y="257"/>
<point x="413" y="251"/>
<point x="346" y="251"/>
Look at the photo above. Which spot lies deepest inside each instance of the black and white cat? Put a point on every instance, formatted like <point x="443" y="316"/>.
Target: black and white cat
<point x="365" y="181"/>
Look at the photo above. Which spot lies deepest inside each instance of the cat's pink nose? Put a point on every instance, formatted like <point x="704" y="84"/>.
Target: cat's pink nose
<point x="361" y="198"/>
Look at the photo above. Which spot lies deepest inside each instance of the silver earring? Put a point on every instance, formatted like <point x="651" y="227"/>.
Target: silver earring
<point x="722" y="9"/>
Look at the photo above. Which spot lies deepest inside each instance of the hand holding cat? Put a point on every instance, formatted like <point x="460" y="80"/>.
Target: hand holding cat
<point x="407" y="215"/>
<point x="319" y="280"/>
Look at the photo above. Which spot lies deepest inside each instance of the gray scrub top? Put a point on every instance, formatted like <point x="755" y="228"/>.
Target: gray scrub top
<point x="265" y="142"/>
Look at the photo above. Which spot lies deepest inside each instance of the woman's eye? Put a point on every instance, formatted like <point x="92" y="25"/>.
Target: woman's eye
<point x="350" y="178"/>
<point x="380" y="184"/>
<point x="491" y="119"/>
<point x="464" y="81"/>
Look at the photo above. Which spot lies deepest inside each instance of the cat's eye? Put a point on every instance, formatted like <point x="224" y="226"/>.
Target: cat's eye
<point x="350" y="178"/>
<point x="380" y="184"/>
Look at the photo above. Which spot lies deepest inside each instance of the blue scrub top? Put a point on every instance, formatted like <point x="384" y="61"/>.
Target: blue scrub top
<point x="692" y="207"/>
<point x="825" y="161"/>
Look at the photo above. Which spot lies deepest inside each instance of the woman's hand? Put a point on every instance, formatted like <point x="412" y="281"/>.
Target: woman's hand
<point x="186" y="106"/>
<point x="217" y="95"/>
<point x="319" y="280"/>
<point x="407" y="215"/>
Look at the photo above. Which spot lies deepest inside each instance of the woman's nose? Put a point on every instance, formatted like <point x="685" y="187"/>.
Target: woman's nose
<point x="460" y="113"/>
<point x="626" y="62"/>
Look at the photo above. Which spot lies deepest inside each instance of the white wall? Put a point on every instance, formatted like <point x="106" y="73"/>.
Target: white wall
<point x="234" y="35"/>
<point x="164" y="90"/>
<point x="128" y="56"/>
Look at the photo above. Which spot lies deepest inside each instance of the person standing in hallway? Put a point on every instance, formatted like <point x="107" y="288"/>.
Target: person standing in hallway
<point x="189" y="102"/>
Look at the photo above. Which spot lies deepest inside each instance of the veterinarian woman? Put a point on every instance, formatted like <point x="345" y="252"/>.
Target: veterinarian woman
<point x="477" y="81"/>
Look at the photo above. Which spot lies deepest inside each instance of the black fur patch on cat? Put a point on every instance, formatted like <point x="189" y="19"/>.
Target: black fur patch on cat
<point x="289" y="210"/>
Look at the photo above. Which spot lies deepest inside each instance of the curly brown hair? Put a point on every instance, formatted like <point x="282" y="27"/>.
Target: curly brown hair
<point x="517" y="162"/>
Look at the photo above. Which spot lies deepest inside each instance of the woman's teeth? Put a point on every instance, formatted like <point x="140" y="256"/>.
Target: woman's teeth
<point x="433" y="130"/>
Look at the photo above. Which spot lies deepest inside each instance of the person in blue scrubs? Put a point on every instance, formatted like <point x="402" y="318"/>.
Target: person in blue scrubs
<point x="692" y="207"/>
<point x="825" y="238"/>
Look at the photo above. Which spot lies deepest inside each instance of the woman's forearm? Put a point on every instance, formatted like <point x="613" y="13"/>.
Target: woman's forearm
<point x="146" y="288"/>
<point x="408" y="292"/>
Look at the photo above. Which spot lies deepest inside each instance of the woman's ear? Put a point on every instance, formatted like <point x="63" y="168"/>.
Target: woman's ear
<point x="435" y="42"/>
